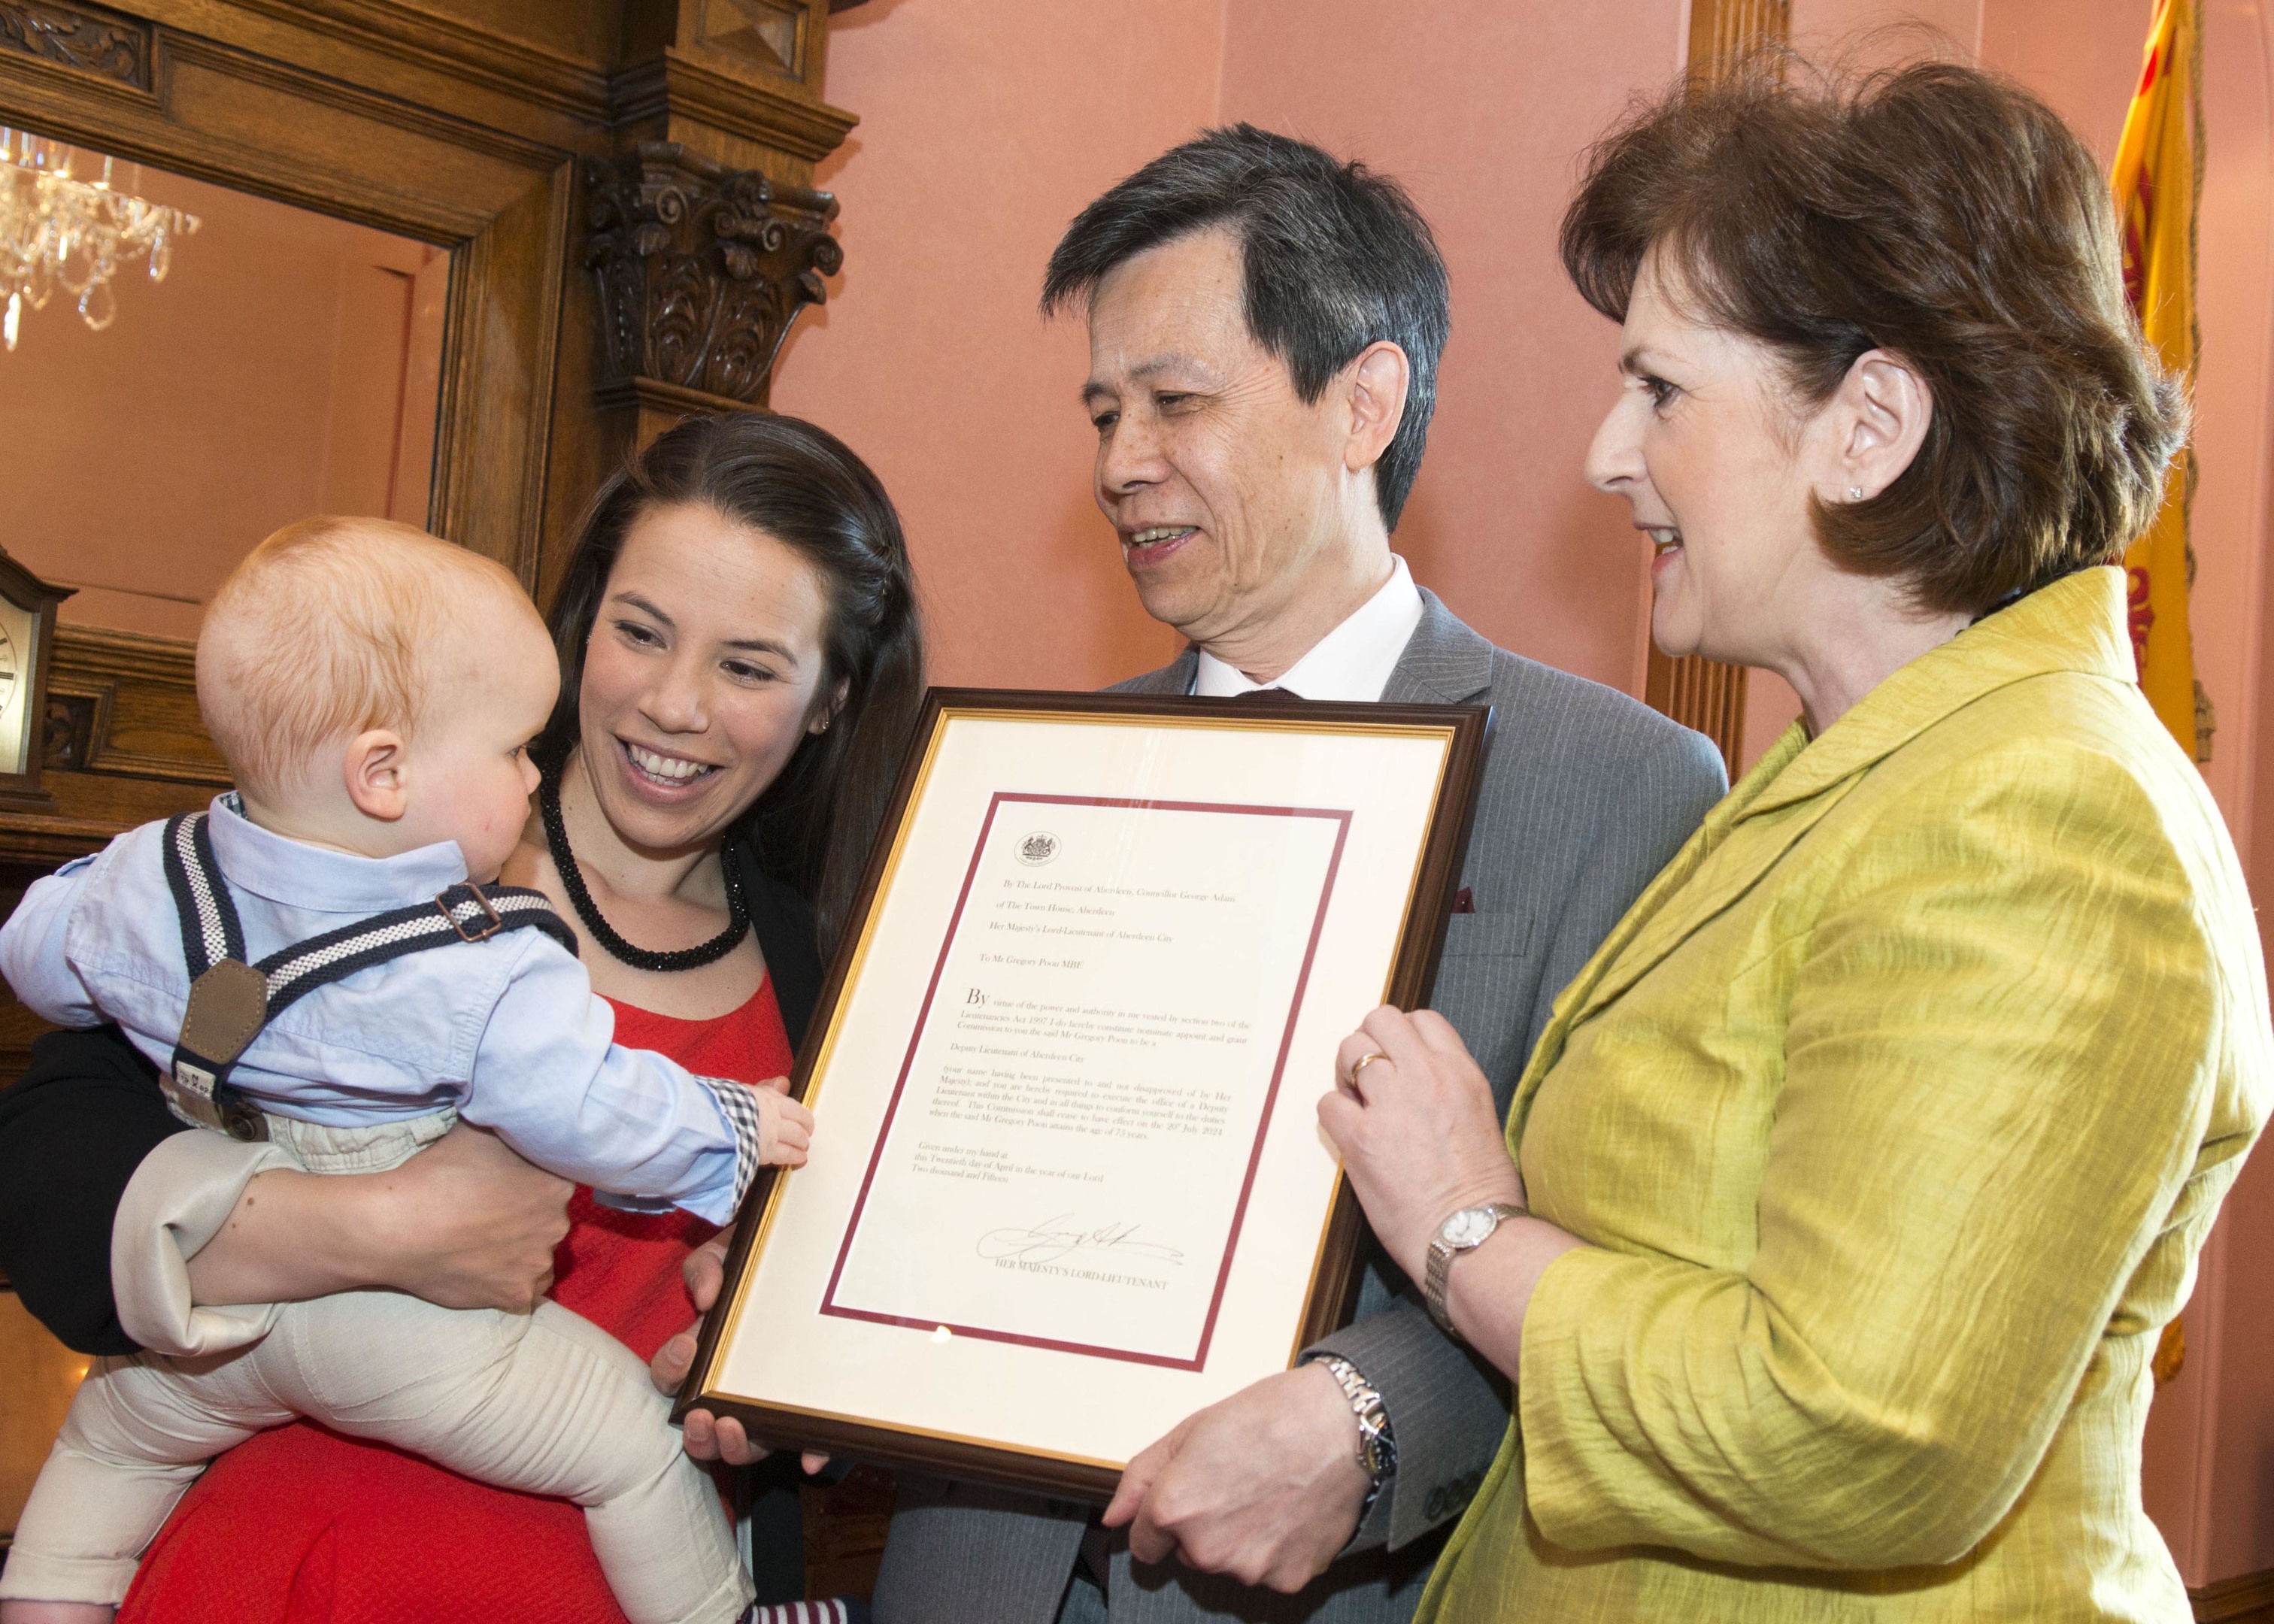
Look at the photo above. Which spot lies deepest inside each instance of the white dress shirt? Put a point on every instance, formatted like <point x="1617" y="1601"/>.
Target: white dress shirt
<point x="1352" y="662"/>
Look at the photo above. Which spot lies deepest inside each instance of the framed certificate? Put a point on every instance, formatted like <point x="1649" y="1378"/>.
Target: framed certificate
<point x="1067" y="1182"/>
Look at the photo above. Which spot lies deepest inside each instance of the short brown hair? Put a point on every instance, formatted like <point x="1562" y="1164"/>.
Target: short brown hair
<point x="1942" y="215"/>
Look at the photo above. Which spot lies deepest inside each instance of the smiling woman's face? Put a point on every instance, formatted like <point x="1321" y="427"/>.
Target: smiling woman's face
<point x="1703" y="444"/>
<point x="701" y="676"/>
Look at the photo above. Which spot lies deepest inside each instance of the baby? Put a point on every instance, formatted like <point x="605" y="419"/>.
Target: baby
<point x="319" y="960"/>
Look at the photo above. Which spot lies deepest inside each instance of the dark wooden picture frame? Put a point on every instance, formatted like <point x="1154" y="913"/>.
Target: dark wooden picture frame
<point x="1336" y="1276"/>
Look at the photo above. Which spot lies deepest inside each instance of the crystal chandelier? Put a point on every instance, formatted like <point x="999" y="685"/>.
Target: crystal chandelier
<point x="59" y="231"/>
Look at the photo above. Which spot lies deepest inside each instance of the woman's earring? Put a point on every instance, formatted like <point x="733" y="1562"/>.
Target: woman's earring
<point x="1855" y="492"/>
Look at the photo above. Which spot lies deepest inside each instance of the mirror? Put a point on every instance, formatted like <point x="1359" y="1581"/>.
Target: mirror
<point x="286" y="364"/>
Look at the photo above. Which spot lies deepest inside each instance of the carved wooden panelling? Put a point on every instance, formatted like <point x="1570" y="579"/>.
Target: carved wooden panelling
<point x="2246" y="1598"/>
<point x="141" y="698"/>
<point x="702" y="268"/>
<point x="94" y="41"/>
<point x="124" y="744"/>
<point x="767" y="33"/>
<point x="465" y="123"/>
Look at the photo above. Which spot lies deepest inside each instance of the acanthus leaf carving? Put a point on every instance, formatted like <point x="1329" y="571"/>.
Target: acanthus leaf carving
<point x="701" y="269"/>
<point x="94" y="41"/>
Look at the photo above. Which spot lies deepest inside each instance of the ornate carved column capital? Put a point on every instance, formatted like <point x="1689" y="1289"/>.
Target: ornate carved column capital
<point x="701" y="269"/>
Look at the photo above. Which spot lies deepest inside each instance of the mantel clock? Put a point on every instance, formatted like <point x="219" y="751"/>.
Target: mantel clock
<point x="28" y="634"/>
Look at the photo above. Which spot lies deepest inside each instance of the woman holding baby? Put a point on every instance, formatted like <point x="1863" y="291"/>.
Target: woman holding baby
<point x="740" y="659"/>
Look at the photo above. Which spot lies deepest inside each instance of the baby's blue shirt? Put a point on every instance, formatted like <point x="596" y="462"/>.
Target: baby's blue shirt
<point x="506" y="1030"/>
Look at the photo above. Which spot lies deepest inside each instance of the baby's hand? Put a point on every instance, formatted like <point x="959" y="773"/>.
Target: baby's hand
<point x="785" y="1127"/>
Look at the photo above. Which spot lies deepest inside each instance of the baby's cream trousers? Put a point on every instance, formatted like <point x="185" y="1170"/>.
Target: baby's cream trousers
<point x="544" y="1402"/>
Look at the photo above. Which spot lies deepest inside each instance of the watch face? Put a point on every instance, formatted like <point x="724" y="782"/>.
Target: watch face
<point x="1468" y="1226"/>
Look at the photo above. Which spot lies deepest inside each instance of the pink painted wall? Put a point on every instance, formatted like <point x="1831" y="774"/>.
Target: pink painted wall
<point x="2230" y="1523"/>
<point x="1483" y="110"/>
<point x="983" y="130"/>
<point x="288" y="364"/>
<point x="1873" y="31"/>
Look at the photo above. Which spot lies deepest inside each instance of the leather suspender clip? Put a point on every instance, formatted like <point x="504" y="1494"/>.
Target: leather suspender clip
<point x="454" y="901"/>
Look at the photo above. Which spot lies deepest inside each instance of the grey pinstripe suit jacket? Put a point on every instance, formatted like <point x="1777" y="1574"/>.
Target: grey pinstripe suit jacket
<point x="1585" y="795"/>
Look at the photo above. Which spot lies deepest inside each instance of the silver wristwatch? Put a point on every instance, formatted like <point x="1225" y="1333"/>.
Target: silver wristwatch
<point x="1465" y="1232"/>
<point x="1377" y="1447"/>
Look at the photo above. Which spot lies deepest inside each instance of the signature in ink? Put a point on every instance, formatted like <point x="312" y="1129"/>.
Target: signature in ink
<point x="1057" y="1237"/>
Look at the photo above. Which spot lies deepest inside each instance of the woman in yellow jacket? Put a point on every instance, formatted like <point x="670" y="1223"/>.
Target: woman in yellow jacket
<point x="1868" y="1156"/>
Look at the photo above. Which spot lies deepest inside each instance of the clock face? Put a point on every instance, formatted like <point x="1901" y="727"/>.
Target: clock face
<point x="1468" y="1226"/>
<point x="18" y="628"/>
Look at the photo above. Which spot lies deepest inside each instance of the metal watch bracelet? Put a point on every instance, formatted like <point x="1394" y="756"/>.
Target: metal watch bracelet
<point x="1377" y="1447"/>
<point x="1462" y="1232"/>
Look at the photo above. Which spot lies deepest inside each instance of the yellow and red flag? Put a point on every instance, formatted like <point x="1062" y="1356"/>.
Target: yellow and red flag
<point x="2157" y="180"/>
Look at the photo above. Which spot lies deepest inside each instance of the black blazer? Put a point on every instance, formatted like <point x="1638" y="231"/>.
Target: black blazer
<point x="88" y="1111"/>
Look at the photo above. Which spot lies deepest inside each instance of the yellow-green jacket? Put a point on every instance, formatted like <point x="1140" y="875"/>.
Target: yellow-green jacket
<point x="1895" y="1111"/>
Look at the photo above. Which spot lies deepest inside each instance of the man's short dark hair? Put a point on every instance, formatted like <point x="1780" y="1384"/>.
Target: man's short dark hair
<point x="1336" y="258"/>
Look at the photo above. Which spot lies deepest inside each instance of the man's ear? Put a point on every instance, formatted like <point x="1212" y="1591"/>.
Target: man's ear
<point x="1379" y="381"/>
<point x="377" y="767"/>
<point x="1881" y="413"/>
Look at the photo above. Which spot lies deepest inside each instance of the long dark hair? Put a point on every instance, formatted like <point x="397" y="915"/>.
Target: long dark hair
<point x="802" y="486"/>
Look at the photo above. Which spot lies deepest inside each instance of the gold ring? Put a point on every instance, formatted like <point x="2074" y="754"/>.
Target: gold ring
<point x="1363" y="1062"/>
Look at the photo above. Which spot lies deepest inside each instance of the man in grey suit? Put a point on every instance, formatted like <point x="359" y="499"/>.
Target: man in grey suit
<point x="1265" y="324"/>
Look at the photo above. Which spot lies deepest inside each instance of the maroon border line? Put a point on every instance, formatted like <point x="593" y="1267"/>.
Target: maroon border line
<point x="1199" y="1360"/>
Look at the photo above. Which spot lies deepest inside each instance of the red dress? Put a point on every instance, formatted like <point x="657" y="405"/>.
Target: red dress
<point x="302" y="1526"/>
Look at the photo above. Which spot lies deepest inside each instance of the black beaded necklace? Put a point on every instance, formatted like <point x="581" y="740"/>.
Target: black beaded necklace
<point x="572" y="881"/>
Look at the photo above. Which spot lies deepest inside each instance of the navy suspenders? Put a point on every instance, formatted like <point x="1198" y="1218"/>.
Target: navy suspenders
<point x="230" y="1000"/>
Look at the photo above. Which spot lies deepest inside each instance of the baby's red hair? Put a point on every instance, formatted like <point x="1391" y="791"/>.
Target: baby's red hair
<point x="328" y="628"/>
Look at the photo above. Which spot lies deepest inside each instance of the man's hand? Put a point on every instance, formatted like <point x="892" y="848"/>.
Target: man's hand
<point x="1264" y="1486"/>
